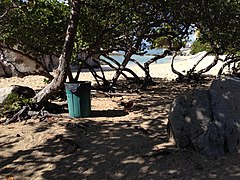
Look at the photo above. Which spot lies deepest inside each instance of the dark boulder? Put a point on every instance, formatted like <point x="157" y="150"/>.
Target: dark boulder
<point x="189" y="117"/>
<point x="208" y="120"/>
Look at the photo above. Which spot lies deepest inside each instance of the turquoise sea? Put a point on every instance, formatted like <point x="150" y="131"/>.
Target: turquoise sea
<point x="141" y="59"/>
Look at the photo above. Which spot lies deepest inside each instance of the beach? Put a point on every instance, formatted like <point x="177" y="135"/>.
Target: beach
<point x="113" y="143"/>
<point x="181" y="63"/>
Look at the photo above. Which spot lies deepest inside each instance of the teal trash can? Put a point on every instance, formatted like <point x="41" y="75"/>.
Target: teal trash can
<point x="79" y="98"/>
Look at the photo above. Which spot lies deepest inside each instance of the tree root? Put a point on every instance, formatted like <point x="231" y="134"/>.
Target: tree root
<point x="20" y="115"/>
<point x="27" y="113"/>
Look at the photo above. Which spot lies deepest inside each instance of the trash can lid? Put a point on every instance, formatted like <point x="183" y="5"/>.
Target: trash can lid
<point x="73" y="86"/>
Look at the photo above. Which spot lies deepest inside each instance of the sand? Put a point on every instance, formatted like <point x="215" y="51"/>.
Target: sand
<point x="181" y="63"/>
<point x="112" y="143"/>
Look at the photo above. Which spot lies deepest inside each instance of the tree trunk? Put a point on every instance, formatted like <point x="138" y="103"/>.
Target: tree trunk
<point x="227" y="64"/>
<point x="112" y="66"/>
<point x="121" y="68"/>
<point x="148" y="78"/>
<point x="61" y="71"/>
<point x="215" y="61"/>
<point x="191" y="71"/>
<point x="69" y="74"/>
<point x="180" y="75"/>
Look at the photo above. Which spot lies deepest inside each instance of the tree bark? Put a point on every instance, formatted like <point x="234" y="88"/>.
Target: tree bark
<point x="148" y="78"/>
<point x="227" y="64"/>
<point x="69" y="74"/>
<point x="209" y="67"/>
<point x="180" y="75"/>
<point x="191" y="71"/>
<point x="61" y="71"/>
<point x="121" y="68"/>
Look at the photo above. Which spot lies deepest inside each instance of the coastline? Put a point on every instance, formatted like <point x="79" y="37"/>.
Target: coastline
<point x="160" y="70"/>
<point x="163" y="70"/>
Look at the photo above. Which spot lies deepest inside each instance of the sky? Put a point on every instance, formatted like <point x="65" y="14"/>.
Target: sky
<point x="192" y="38"/>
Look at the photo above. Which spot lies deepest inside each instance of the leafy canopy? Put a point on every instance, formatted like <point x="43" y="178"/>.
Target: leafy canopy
<point x="218" y="23"/>
<point x="36" y="27"/>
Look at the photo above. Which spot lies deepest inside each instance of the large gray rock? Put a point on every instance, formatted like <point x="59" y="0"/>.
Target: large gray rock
<point x="189" y="116"/>
<point x="208" y="121"/>
<point x="15" y="89"/>
<point x="225" y="103"/>
<point x="17" y="64"/>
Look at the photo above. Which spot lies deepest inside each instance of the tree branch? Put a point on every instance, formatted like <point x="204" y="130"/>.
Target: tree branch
<point x="196" y="64"/>
<point x="180" y="75"/>
<point x="61" y="71"/>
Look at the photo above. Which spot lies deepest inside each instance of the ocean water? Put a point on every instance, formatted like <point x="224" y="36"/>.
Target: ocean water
<point x="140" y="59"/>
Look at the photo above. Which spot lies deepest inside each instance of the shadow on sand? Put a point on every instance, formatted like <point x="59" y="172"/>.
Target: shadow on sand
<point x="90" y="149"/>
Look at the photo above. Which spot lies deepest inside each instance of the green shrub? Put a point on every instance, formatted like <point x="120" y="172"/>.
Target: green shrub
<point x="14" y="103"/>
<point x="199" y="46"/>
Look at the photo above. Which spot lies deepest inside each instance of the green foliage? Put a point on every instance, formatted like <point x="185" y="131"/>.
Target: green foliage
<point x="46" y="81"/>
<point x="14" y="103"/>
<point x="218" y="22"/>
<point x="198" y="46"/>
<point x="124" y="25"/>
<point x="169" y="42"/>
<point x="36" y="27"/>
<point x="39" y="27"/>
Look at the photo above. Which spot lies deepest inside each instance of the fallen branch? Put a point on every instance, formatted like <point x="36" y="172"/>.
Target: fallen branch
<point x="22" y="114"/>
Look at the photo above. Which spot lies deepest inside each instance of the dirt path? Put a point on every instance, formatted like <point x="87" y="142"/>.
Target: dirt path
<point x="112" y="144"/>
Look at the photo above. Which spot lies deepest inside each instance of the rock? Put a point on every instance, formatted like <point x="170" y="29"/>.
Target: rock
<point x="19" y="90"/>
<point x="225" y="103"/>
<point x="189" y="117"/>
<point x="15" y="63"/>
<point x="4" y="70"/>
<point x="2" y="73"/>
<point x="208" y="120"/>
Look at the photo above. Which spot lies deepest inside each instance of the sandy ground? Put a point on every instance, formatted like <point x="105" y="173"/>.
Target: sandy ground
<point x="181" y="64"/>
<point x="112" y="143"/>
